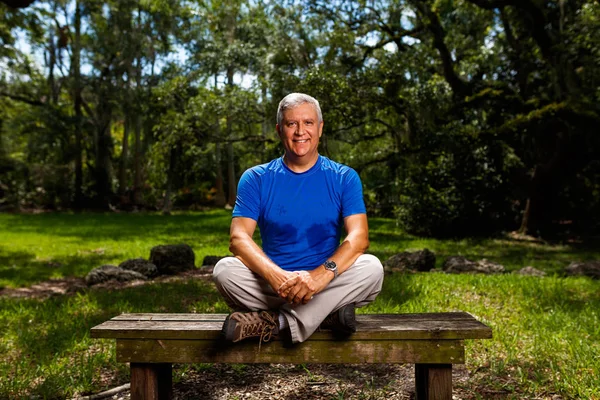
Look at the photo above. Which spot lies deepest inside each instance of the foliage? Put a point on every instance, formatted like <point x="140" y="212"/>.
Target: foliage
<point x="461" y="116"/>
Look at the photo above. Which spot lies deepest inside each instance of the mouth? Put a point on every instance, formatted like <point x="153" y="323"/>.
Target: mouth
<point x="301" y="141"/>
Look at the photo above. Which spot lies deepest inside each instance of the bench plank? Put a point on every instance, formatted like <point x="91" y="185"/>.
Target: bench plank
<point x="338" y="352"/>
<point x="220" y="317"/>
<point x="383" y="326"/>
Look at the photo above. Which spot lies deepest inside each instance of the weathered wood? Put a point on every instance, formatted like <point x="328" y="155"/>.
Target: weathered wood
<point x="385" y="326"/>
<point x="433" y="381"/>
<point x="151" y="381"/>
<point x="449" y="316"/>
<point x="169" y="317"/>
<point x="433" y="342"/>
<point x="334" y="352"/>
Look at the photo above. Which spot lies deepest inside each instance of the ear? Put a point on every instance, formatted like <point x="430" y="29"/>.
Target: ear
<point x="321" y="128"/>
<point x="278" y="129"/>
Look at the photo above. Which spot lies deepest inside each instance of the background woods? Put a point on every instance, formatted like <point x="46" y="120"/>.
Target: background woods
<point x="462" y="117"/>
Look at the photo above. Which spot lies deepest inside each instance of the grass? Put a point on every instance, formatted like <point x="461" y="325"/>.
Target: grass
<point x="546" y="330"/>
<point x="37" y="247"/>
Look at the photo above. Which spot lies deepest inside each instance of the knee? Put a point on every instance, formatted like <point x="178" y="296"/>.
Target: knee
<point x="223" y="271"/>
<point x="372" y="267"/>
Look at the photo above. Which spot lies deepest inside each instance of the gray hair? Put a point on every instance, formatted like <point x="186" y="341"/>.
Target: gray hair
<point x="294" y="100"/>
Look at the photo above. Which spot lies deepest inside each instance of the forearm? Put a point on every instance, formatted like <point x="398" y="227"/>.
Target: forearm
<point x="351" y="248"/>
<point x="247" y="251"/>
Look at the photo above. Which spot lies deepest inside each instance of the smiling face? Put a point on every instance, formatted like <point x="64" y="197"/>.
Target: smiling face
<point x="299" y="132"/>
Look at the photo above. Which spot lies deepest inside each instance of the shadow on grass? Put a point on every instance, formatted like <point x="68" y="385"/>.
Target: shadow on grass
<point x="45" y="329"/>
<point x="89" y="234"/>
<point x="95" y="226"/>
<point x="22" y="268"/>
<point x="564" y="295"/>
<point x="513" y="254"/>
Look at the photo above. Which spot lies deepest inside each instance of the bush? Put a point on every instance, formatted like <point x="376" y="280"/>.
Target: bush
<point x="461" y="189"/>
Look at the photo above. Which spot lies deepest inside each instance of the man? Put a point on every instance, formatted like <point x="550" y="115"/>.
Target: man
<point x="302" y="278"/>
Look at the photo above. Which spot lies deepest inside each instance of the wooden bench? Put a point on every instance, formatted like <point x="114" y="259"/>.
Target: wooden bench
<point x="152" y="342"/>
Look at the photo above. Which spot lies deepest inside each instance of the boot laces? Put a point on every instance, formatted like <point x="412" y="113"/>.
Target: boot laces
<point x="262" y="325"/>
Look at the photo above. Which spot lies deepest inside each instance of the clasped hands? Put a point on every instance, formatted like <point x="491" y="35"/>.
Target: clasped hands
<point x="301" y="286"/>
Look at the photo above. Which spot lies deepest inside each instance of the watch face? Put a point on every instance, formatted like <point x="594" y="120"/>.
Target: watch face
<point x="330" y="265"/>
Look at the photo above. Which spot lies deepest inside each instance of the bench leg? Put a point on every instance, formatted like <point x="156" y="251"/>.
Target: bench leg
<point x="433" y="381"/>
<point x="151" y="381"/>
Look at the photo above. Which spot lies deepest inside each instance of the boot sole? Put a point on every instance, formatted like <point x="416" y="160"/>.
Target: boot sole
<point x="347" y="316"/>
<point x="228" y="330"/>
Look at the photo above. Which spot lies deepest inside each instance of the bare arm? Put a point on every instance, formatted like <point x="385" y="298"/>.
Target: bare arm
<point x="355" y="244"/>
<point x="246" y="250"/>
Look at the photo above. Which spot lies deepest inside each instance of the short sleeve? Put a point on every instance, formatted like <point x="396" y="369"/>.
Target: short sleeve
<point x="247" y="202"/>
<point x="352" y="195"/>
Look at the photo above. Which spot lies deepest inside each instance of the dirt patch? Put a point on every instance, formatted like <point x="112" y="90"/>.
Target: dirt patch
<point x="66" y="286"/>
<point x="43" y="290"/>
<point x="287" y="382"/>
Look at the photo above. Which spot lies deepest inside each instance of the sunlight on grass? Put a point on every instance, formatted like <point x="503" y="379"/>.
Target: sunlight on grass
<point x="546" y="330"/>
<point x="34" y="248"/>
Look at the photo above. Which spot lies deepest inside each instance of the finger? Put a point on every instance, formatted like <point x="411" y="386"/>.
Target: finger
<point x="308" y="297"/>
<point x="289" y="283"/>
<point x="303" y="296"/>
<point x="293" y="293"/>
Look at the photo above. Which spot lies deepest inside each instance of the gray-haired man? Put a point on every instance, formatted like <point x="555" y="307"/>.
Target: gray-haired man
<point x="302" y="278"/>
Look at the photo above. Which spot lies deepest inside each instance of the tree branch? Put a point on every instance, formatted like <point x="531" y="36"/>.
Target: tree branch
<point x="458" y="85"/>
<point x="23" y="99"/>
<point x="537" y="21"/>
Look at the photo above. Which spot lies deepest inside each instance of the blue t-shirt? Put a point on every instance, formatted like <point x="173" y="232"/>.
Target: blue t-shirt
<point x="300" y="215"/>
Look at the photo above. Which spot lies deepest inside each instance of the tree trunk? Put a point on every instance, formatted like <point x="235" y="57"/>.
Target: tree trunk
<point x="231" y="175"/>
<point x="124" y="156"/>
<point x="167" y="204"/>
<point x="137" y="178"/>
<point x="220" y="191"/>
<point x="51" y="64"/>
<point x="266" y="124"/>
<point x="76" y="68"/>
<point x="537" y="217"/>
<point x="232" y="183"/>
<point x="103" y="167"/>
<point x="220" y="200"/>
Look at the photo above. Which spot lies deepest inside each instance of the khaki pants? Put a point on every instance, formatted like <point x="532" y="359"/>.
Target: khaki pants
<point x="245" y="290"/>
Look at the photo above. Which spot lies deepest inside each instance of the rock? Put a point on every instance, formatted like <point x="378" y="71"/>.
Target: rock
<point x="110" y="272"/>
<point x="140" y="265"/>
<point x="590" y="268"/>
<point x="458" y="264"/>
<point x="211" y="261"/>
<point x="173" y="259"/>
<point x="421" y="260"/>
<point x="490" y="267"/>
<point x="461" y="265"/>
<point x="530" y="271"/>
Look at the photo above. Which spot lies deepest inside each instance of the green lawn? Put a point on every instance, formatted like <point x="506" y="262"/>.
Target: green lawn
<point x="546" y="331"/>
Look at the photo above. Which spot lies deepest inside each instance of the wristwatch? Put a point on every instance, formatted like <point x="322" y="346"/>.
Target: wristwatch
<point x="331" y="266"/>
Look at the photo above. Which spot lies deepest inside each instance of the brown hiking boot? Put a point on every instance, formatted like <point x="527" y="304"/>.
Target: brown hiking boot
<point x="342" y="321"/>
<point x="243" y="325"/>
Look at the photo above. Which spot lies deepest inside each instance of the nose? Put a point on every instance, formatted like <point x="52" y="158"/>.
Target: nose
<point x="298" y="130"/>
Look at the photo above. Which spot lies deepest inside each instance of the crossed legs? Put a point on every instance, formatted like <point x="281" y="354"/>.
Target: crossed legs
<point x="245" y="290"/>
